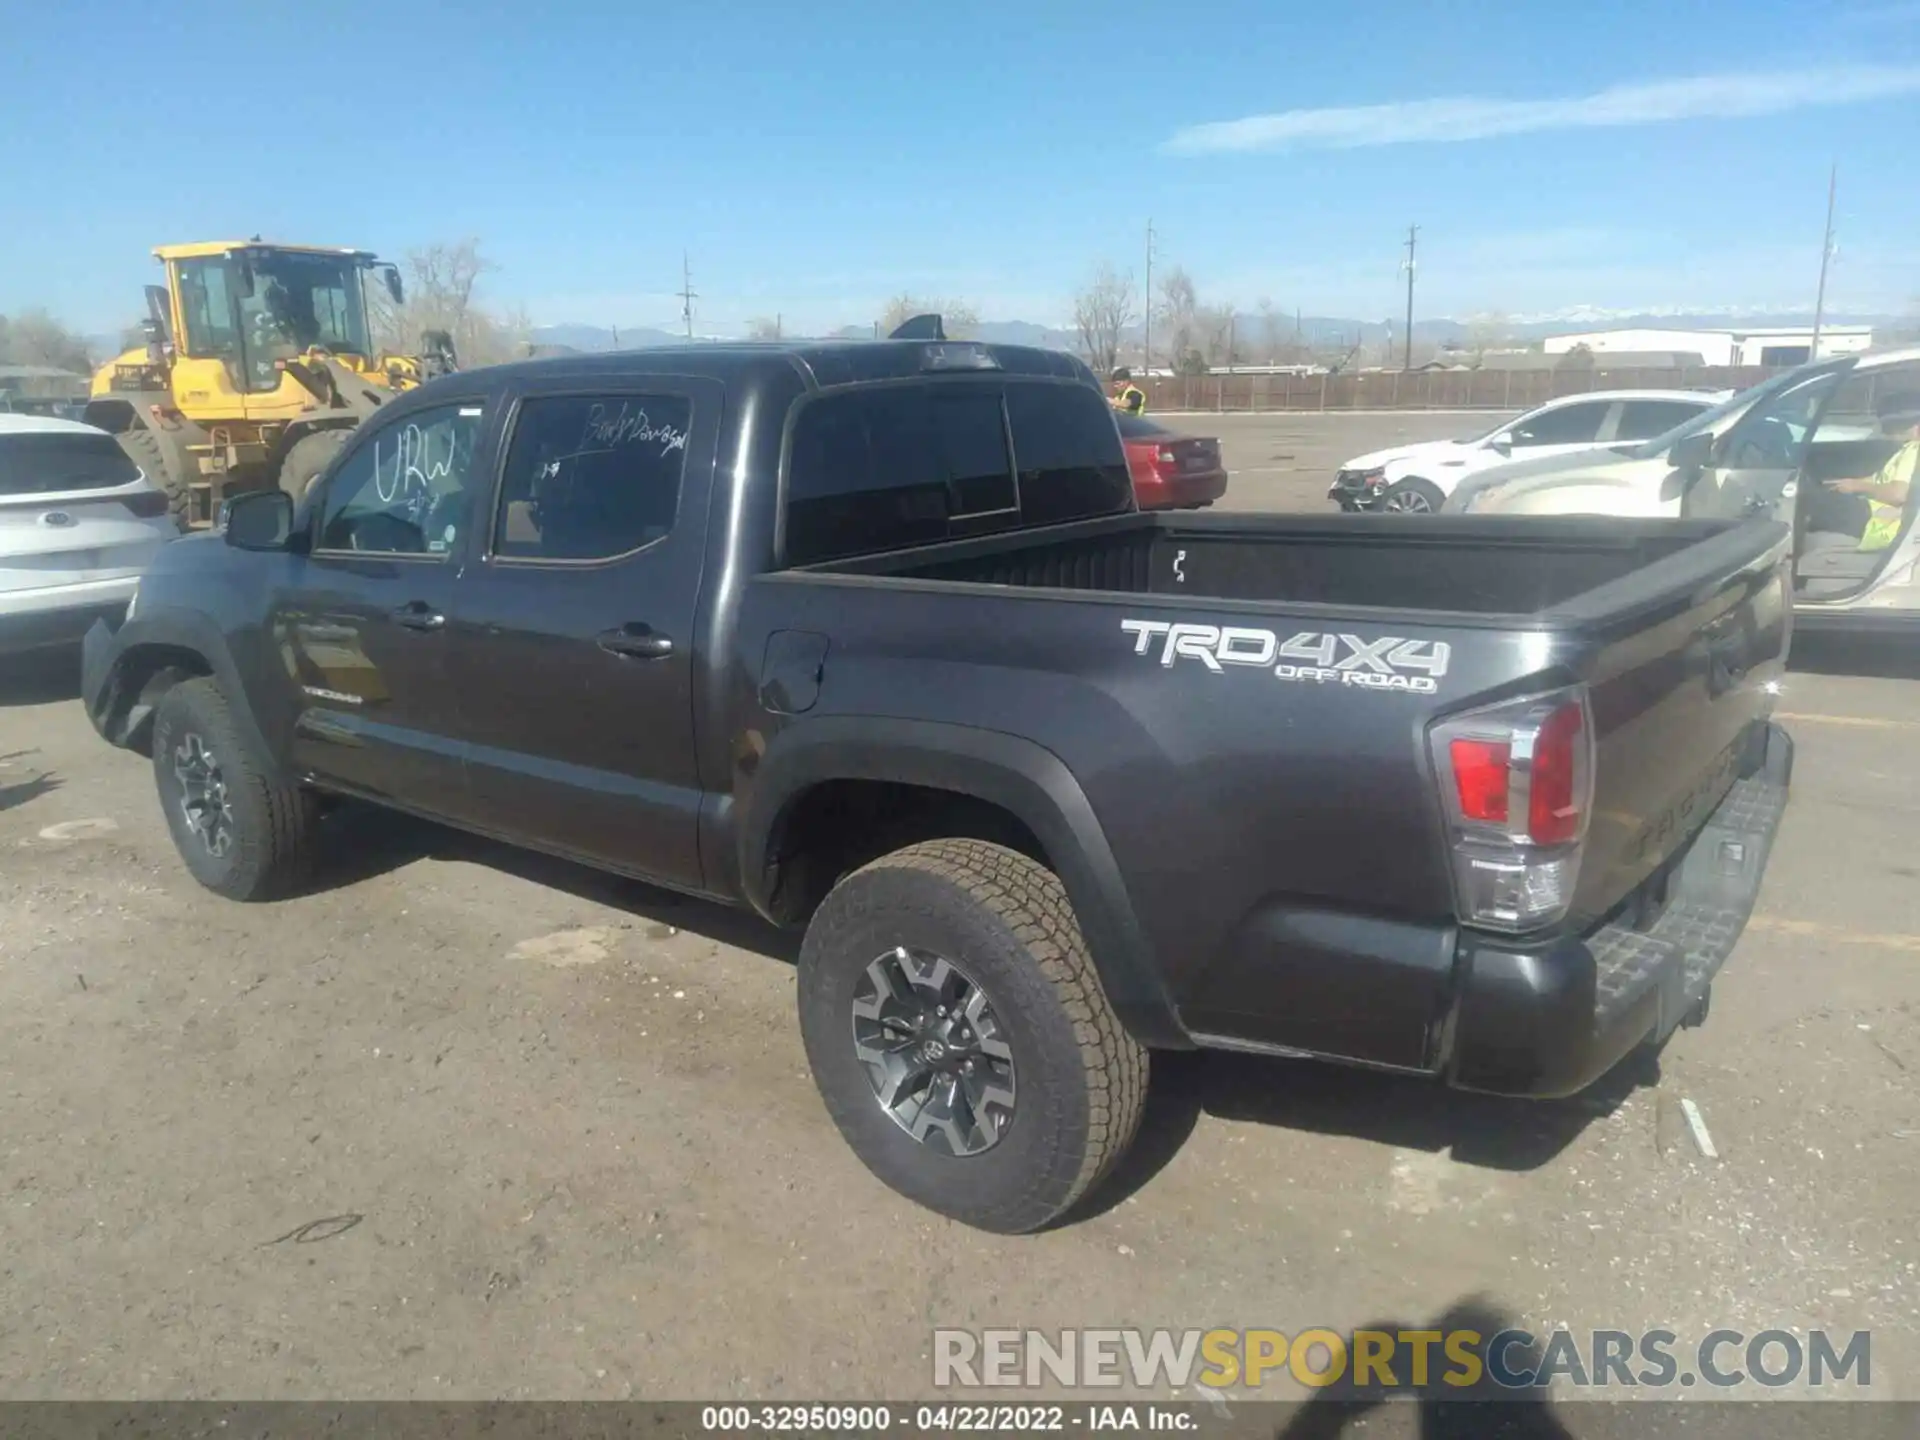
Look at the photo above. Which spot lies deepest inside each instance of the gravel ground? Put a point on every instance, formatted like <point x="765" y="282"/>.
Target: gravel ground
<point x="462" y="1123"/>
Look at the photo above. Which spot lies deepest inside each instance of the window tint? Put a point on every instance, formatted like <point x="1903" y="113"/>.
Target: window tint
<point x="1567" y="425"/>
<point x="46" y="464"/>
<point x="896" y="466"/>
<point x="403" y="490"/>
<point x="1071" y="463"/>
<point x="208" y="303"/>
<point x="1644" y="419"/>
<point x="591" y="477"/>
<point x="881" y="468"/>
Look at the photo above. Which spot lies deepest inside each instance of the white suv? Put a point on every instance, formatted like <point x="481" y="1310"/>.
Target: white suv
<point x="79" y="524"/>
<point x="1418" y="478"/>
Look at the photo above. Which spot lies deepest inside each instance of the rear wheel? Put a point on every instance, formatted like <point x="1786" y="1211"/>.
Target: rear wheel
<point x="307" y="458"/>
<point x="1413" y="496"/>
<point x="242" y="832"/>
<point x="960" y="1037"/>
<point x="143" y="447"/>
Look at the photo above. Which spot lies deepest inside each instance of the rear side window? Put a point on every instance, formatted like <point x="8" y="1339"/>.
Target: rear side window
<point x="1644" y="419"/>
<point x="46" y="464"/>
<point x="897" y="466"/>
<point x="592" y="477"/>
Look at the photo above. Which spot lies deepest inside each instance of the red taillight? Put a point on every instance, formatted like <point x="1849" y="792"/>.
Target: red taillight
<point x="1553" y="797"/>
<point x="1519" y="778"/>
<point x="1482" y="774"/>
<point x="147" y="504"/>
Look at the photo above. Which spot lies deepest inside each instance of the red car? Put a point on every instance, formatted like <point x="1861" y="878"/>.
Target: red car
<point x="1171" y="471"/>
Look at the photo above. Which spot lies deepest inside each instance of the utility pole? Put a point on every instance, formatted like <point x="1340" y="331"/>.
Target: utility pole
<point x="1826" y="254"/>
<point x="1413" y="232"/>
<point x="687" y="297"/>
<point x="779" y="326"/>
<point x="1146" y="339"/>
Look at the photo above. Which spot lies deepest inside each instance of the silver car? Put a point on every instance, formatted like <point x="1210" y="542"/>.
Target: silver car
<point x="1832" y="447"/>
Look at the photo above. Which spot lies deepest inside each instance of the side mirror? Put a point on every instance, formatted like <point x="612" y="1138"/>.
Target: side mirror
<point x="1502" y="443"/>
<point x="391" y="273"/>
<point x="259" y="520"/>
<point x="1691" y="452"/>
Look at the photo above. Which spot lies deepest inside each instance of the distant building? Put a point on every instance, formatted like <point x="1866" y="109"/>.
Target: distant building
<point x="1771" y="345"/>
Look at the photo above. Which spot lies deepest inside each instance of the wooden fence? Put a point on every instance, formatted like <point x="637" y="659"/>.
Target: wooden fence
<point x="1428" y="389"/>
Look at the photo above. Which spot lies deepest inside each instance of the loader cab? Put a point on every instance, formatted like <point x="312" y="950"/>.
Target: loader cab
<point x="246" y="308"/>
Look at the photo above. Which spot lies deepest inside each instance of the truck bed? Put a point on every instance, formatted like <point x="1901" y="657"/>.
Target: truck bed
<point x="1272" y="819"/>
<point x="1484" y="565"/>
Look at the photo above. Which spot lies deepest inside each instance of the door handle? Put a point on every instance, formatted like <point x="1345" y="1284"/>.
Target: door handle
<point x="635" y="642"/>
<point x="418" y="615"/>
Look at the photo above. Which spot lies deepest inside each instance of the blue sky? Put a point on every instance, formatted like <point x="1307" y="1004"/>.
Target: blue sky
<point x="814" y="159"/>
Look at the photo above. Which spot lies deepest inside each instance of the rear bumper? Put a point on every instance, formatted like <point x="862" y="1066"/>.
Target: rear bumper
<point x="1185" y="491"/>
<point x="61" y="621"/>
<point x="1549" y="1021"/>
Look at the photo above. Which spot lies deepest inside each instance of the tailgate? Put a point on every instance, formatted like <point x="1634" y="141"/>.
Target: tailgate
<point x="1682" y="677"/>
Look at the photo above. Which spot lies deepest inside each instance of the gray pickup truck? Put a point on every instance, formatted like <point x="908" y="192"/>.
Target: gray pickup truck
<point x="873" y="639"/>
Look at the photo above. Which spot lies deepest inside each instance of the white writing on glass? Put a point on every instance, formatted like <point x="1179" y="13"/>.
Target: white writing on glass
<point x="419" y="458"/>
<point x="629" y="425"/>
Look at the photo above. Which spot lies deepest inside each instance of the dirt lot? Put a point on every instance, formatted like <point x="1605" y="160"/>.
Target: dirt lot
<point x="462" y="1123"/>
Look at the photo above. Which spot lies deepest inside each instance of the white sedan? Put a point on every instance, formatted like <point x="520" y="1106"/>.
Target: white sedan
<point x="1418" y="478"/>
<point x="79" y="523"/>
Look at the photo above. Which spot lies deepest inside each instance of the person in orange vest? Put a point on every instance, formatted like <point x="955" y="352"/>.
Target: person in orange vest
<point x="1127" y="397"/>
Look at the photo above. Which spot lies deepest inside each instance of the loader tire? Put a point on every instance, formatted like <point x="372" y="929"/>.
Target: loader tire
<point x="143" y="447"/>
<point x="307" y="459"/>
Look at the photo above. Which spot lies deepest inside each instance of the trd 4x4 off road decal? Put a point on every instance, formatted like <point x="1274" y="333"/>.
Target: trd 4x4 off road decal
<point x="1322" y="658"/>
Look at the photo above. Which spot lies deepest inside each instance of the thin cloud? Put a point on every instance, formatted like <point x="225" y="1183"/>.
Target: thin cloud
<point x="1458" y="118"/>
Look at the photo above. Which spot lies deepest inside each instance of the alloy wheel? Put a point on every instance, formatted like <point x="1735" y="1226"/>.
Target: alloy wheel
<point x="934" y="1051"/>
<point x="203" y="794"/>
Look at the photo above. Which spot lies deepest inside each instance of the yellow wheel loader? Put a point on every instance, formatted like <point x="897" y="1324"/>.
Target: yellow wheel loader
<point x="258" y="363"/>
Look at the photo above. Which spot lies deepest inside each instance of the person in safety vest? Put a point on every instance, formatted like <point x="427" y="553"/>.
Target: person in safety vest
<point x="1127" y="397"/>
<point x="1888" y="490"/>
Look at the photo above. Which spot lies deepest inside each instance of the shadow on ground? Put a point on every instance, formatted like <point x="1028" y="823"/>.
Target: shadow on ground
<point x="1399" y="1111"/>
<point x="40" y="678"/>
<point x="361" y="842"/>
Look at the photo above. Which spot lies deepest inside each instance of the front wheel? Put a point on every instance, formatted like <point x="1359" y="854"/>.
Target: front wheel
<point x="1413" y="497"/>
<point x="242" y="832"/>
<point x="307" y="459"/>
<point x="960" y="1036"/>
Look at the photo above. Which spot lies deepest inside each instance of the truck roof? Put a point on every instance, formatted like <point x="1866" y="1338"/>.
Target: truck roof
<point x="823" y="363"/>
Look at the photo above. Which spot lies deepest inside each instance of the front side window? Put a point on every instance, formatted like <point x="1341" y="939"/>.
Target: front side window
<point x="1563" y="425"/>
<point x="403" y="490"/>
<point x="206" y="297"/>
<point x="592" y="477"/>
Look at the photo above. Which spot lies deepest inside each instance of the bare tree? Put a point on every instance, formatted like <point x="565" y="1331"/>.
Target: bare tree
<point x="761" y="328"/>
<point x="1101" y="313"/>
<point x="33" y="337"/>
<point x="1488" y="330"/>
<point x="957" y="317"/>
<point x="1216" y="334"/>
<point x="443" y="293"/>
<point x="1179" y="309"/>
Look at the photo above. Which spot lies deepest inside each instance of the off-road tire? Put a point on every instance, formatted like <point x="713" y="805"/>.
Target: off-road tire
<point x="273" y="823"/>
<point x="1081" y="1079"/>
<point x="143" y="447"/>
<point x="306" y="458"/>
<point x="1413" y="488"/>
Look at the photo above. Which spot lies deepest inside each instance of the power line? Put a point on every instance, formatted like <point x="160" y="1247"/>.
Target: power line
<point x="1413" y="232"/>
